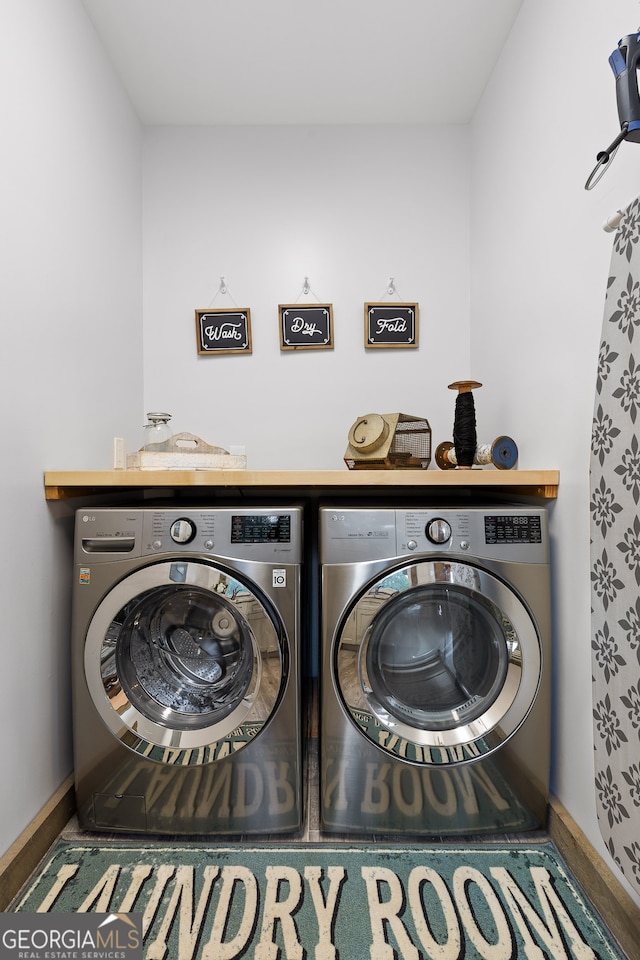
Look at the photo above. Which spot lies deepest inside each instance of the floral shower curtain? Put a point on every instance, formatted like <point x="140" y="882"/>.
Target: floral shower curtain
<point x="615" y="555"/>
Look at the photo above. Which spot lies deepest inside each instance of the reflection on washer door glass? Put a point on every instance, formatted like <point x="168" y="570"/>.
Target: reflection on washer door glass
<point x="393" y="583"/>
<point x="182" y="656"/>
<point x="436" y="657"/>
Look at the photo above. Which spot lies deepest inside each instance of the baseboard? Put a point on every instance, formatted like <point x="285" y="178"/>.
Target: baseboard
<point x="23" y="856"/>
<point x="606" y="893"/>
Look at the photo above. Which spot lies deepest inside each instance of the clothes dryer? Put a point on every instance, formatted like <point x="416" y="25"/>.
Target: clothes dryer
<point x="186" y="670"/>
<point x="435" y="670"/>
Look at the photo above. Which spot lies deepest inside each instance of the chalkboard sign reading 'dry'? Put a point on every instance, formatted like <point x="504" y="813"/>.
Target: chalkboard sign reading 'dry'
<point x="306" y="327"/>
<point x="223" y="331"/>
<point x="391" y="324"/>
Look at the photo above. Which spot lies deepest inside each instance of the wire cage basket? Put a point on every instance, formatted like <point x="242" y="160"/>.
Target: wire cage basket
<point x="389" y="441"/>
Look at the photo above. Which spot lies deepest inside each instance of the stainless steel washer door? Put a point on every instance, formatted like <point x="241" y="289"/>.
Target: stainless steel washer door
<point x="180" y="656"/>
<point x="438" y="662"/>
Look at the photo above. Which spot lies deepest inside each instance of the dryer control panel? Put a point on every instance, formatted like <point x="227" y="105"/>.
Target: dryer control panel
<point x="518" y="535"/>
<point x="513" y="528"/>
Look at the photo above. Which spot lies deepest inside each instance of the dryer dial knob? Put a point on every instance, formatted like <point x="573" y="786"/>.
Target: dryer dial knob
<point x="183" y="530"/>
<point x="438" y="531"/>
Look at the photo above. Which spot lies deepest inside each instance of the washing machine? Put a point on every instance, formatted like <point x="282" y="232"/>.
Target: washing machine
<point x="186" y="670"/>
<point x="435" y="670"/>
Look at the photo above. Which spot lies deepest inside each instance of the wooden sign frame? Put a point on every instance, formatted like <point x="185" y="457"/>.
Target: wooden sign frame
<point x="391" y="324"/>
<point x="223" y="331"/>
<point x="306" y="326"/>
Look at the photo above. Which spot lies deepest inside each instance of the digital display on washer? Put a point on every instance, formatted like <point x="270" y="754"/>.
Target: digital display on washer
<point x="512" y="529"/>
<point x="261" y="528"/>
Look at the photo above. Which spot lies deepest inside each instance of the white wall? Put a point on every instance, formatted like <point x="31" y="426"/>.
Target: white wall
<point x="266" y="206"/>
<point x="70" y="299"/>
<point x="540" y="263"/>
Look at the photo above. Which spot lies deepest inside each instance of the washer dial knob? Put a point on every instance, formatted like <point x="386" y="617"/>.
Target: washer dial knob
<point x="438" y="531"/>
<point x="183" y="530"/>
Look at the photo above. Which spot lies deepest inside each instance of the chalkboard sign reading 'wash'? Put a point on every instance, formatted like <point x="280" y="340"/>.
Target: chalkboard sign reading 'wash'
<point x="223" y="331"/>
<point x="391" y="324"/>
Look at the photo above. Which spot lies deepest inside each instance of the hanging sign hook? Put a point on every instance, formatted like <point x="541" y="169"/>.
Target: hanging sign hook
<point x="307" y="291"/>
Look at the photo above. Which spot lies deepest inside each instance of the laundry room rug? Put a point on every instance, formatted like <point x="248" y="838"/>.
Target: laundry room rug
<point x="326" y="901"/>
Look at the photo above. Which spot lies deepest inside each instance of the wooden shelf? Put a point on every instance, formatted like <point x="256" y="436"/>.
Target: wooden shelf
<point x="65" y="484"/>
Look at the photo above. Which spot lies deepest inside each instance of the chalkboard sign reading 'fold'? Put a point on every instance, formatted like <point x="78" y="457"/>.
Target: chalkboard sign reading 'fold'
<point x="391" y="324"/>
<point x="306" y="327"/>
<point x="223" y="331"/>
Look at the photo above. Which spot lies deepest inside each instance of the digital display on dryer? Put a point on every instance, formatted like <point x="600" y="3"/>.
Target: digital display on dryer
<point x="261" y="528"/>
<point x="512" y="529"/>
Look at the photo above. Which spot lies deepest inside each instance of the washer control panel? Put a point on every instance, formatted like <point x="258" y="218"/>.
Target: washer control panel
<point x="261" y="528"/>
<point x="262" y="534"/>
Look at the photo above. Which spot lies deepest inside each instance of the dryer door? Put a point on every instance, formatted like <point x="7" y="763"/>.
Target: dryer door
<point x="184" y="663"/>
<point x="438" y="662"/>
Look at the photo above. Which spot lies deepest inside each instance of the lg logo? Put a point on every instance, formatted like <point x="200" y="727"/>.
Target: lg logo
<point x="279" y="578"/>
<point x="87" y="519"/>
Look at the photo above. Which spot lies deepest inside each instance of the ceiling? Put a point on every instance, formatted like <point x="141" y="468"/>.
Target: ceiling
<point x="303" y="62"/>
